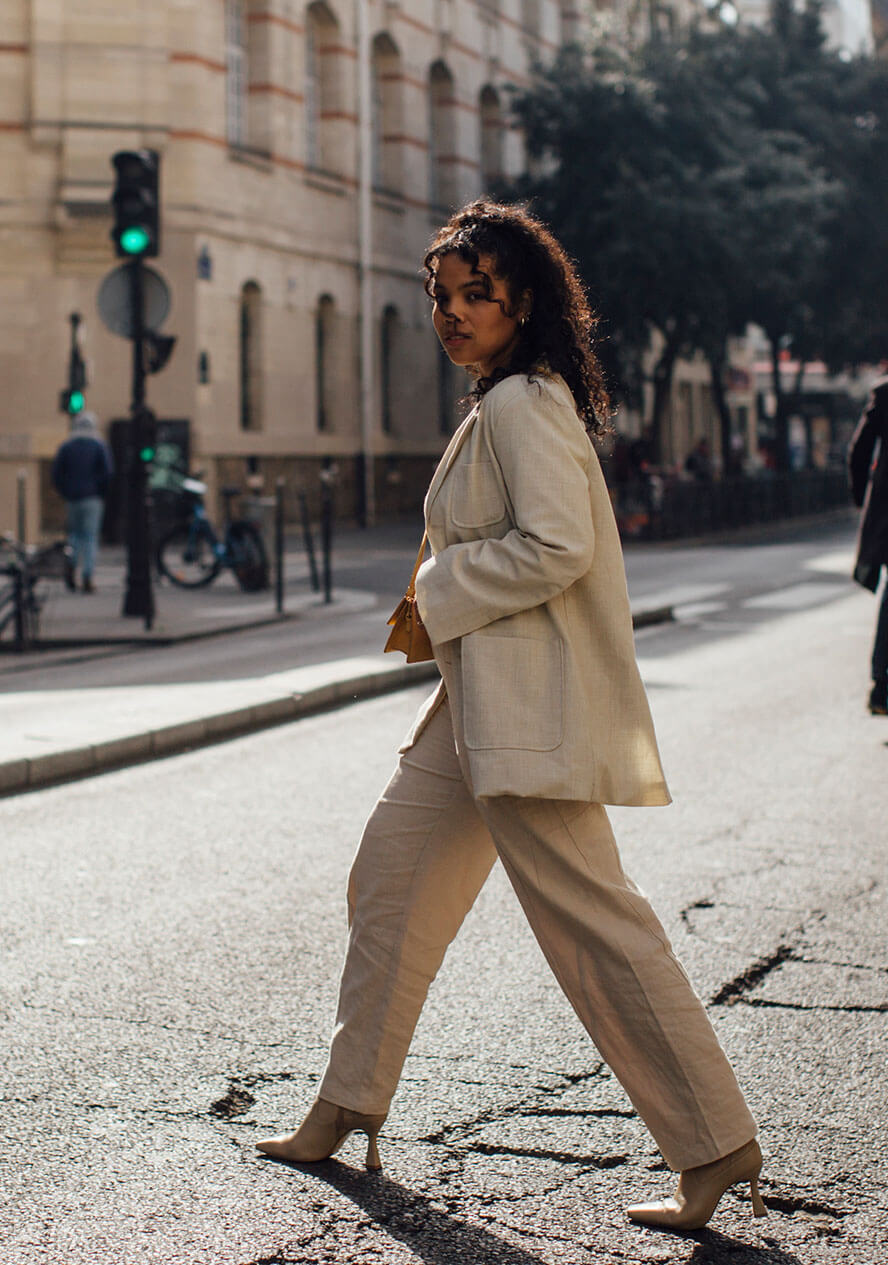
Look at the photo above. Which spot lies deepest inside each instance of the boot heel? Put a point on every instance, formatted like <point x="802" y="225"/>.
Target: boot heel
<point x="372" y="1161"/>
<point x="758" y="1205"/>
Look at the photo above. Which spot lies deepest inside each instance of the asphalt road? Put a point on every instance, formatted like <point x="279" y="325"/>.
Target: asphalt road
<point x="173" y="938"/>
<point x="658" y="575"/>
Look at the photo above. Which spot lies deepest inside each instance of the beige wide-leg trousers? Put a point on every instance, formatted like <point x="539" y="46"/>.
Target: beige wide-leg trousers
<point x="424" y="856"/>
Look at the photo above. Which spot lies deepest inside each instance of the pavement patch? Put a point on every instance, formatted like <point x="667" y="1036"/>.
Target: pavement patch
<point x="234" y="1103"/>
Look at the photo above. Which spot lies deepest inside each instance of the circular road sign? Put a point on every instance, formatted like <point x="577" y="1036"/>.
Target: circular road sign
<point x="114" y="300"/>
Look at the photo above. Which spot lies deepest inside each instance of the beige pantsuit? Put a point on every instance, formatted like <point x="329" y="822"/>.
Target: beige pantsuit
<point x="540" y="719"/>
<point x="425" y="854"/>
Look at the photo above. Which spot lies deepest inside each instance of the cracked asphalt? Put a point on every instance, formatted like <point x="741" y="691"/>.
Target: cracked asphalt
<point x="173" y="938"/>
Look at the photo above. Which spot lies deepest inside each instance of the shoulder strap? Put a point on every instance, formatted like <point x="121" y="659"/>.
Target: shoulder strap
<point x="411" y="587"/>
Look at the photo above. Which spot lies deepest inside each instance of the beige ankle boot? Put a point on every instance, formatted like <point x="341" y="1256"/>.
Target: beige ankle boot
<point x="700" y="1189"/>
<point x="322" y="1133"/>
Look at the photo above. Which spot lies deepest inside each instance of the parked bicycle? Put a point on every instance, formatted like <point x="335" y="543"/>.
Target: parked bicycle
<point x="192" y="555"/>
<point x="20" y="600"/>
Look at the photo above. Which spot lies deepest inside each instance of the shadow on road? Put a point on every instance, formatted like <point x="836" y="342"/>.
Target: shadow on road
<point x="720" y="1249"/>
<point x="438" y="1238"/>
<point x="417" y="1221"/>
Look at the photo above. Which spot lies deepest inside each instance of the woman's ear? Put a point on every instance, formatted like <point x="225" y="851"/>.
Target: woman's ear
<point x="525" y="307"/>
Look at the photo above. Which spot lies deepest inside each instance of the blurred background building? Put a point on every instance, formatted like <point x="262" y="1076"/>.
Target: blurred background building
<point x="308" y="152"/>
<point x="256" y="108"/>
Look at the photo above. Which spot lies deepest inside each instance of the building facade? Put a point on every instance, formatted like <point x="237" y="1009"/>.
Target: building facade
<point x="308" y="151"/>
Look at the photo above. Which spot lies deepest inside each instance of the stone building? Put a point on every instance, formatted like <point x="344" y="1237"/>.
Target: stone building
<point x="308" y="150"/>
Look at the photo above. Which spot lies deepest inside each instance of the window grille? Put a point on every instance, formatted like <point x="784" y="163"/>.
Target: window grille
<point x="312" y="93"/>
<point x="236" y="73"/>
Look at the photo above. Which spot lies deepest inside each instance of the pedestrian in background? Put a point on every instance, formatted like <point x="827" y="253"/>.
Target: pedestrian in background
<point x="869" y="488"/>
<point x="698" y="463"/>
<point x="81" y="472"/>
<point x="539" y="720"/>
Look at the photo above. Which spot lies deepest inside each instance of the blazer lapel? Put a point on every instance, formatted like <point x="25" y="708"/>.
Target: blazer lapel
<point x="456" y="442"/>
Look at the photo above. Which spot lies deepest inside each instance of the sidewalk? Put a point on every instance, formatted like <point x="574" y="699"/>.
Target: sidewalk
<point x="53" y="727"/>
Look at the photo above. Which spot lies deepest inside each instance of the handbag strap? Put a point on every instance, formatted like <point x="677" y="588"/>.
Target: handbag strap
<point x="411" y="587"/>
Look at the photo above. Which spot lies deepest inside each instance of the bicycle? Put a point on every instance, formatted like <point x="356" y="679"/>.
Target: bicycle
<point x="191" y="555"/>
<point x="20" y="602"/>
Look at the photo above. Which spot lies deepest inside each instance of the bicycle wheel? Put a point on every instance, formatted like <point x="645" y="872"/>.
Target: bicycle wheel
<point x="187" y="557"/>
<point x="246" y="556"/>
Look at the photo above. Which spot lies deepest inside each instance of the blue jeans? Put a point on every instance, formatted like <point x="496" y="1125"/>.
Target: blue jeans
<point x="880" y="645"/>
<point x="84" y="521"/>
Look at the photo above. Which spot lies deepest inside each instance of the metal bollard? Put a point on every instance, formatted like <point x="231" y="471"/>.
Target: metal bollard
<point x="279" y="545"/>
<point x="308" y="540"/>
<point x="328" y="476"/>
<point x="21" y="490"/>
<point x="327" y="541"/>
<point x="21" y="639"/>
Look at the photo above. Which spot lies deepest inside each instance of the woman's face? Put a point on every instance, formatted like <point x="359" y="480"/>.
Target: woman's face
<point x="470" y="313"/>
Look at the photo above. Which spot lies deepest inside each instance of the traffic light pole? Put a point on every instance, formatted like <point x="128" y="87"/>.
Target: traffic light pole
<point x="76" y="375"/>
<point x="139" y="598"/>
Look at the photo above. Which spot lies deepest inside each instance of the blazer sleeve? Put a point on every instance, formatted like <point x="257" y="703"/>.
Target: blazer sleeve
<point x="543" y="453"/>
<point x="860" y="451"/>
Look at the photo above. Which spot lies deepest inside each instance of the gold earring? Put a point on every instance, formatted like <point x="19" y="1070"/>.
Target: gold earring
<point x="523" y="321"/>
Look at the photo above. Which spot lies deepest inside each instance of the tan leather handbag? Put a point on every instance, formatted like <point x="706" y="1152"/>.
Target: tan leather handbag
<point x="408" y="631"/>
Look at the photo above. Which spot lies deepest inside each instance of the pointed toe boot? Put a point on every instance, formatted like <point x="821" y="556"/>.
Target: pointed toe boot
<point x="322" y="1133"/>
<point x="700" y="1189"/>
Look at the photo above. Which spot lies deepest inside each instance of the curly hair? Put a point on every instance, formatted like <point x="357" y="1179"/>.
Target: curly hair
<point x="559" y="334"/>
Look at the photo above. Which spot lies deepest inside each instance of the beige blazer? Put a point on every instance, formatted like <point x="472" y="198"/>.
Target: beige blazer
<point x="526" y="606"/>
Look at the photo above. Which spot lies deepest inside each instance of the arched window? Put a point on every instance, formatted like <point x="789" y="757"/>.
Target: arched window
<point x="570" y="21"/>
<point x="324" y="323"/>
<point x="323" y="87"/>
<point x="443" y="181"/>
<point x="530" y="15"/>
<point x="388" y="337"/>
<point x="250" y="357"/>
<point x="491" y="136"/>
<point x="387" y="123"/>
<point x="247" y="110"/>
<point x="236" y="72"/>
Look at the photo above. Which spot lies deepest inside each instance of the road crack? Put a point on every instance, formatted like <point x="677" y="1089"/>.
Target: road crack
<point x="540" y="1153"/>
<point x="880" y="1008"/>
<point x="749" y="979"/>
<point x="526" y="1107"/>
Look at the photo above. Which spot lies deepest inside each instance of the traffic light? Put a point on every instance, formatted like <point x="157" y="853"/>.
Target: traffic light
<point x="136" y="203"/>
<point x="72" y="401"/>
<point x="145" y="436"/>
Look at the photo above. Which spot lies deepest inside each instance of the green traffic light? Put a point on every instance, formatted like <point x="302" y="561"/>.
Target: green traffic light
<point x="146" y="454"/>
<point x="135" y="240"/>
<point x="76" y="401"/>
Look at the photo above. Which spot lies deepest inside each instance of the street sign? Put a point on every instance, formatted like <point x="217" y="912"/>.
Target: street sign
<point x="115" y="306"/>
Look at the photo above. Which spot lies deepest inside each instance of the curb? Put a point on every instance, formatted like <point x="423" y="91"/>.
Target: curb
<point x="36" y="772"/>
<point x="33" y="773"/>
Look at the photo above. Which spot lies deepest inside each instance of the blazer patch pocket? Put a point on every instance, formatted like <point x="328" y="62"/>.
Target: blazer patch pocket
<point x="476" y="500"/>
<point x="513" y="692"/>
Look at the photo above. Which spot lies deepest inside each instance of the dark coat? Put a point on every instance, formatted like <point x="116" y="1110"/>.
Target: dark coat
<point x="869" y="485"/>
<point x="82" y="467"/>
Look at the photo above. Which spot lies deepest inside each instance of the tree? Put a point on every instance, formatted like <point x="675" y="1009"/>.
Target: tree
<point x="642" y="210"/>
<point x="722" y="177"/>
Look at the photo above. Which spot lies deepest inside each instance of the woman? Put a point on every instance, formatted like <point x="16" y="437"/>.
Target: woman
<point x="540" y="719"/>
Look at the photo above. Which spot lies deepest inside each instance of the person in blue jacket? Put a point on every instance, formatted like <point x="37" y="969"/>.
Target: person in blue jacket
<point x="81" y="472"/>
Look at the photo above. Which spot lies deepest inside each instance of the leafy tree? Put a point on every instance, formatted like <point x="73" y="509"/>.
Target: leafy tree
<point x="718" y="178"/>
<point x="635" y="162"/>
